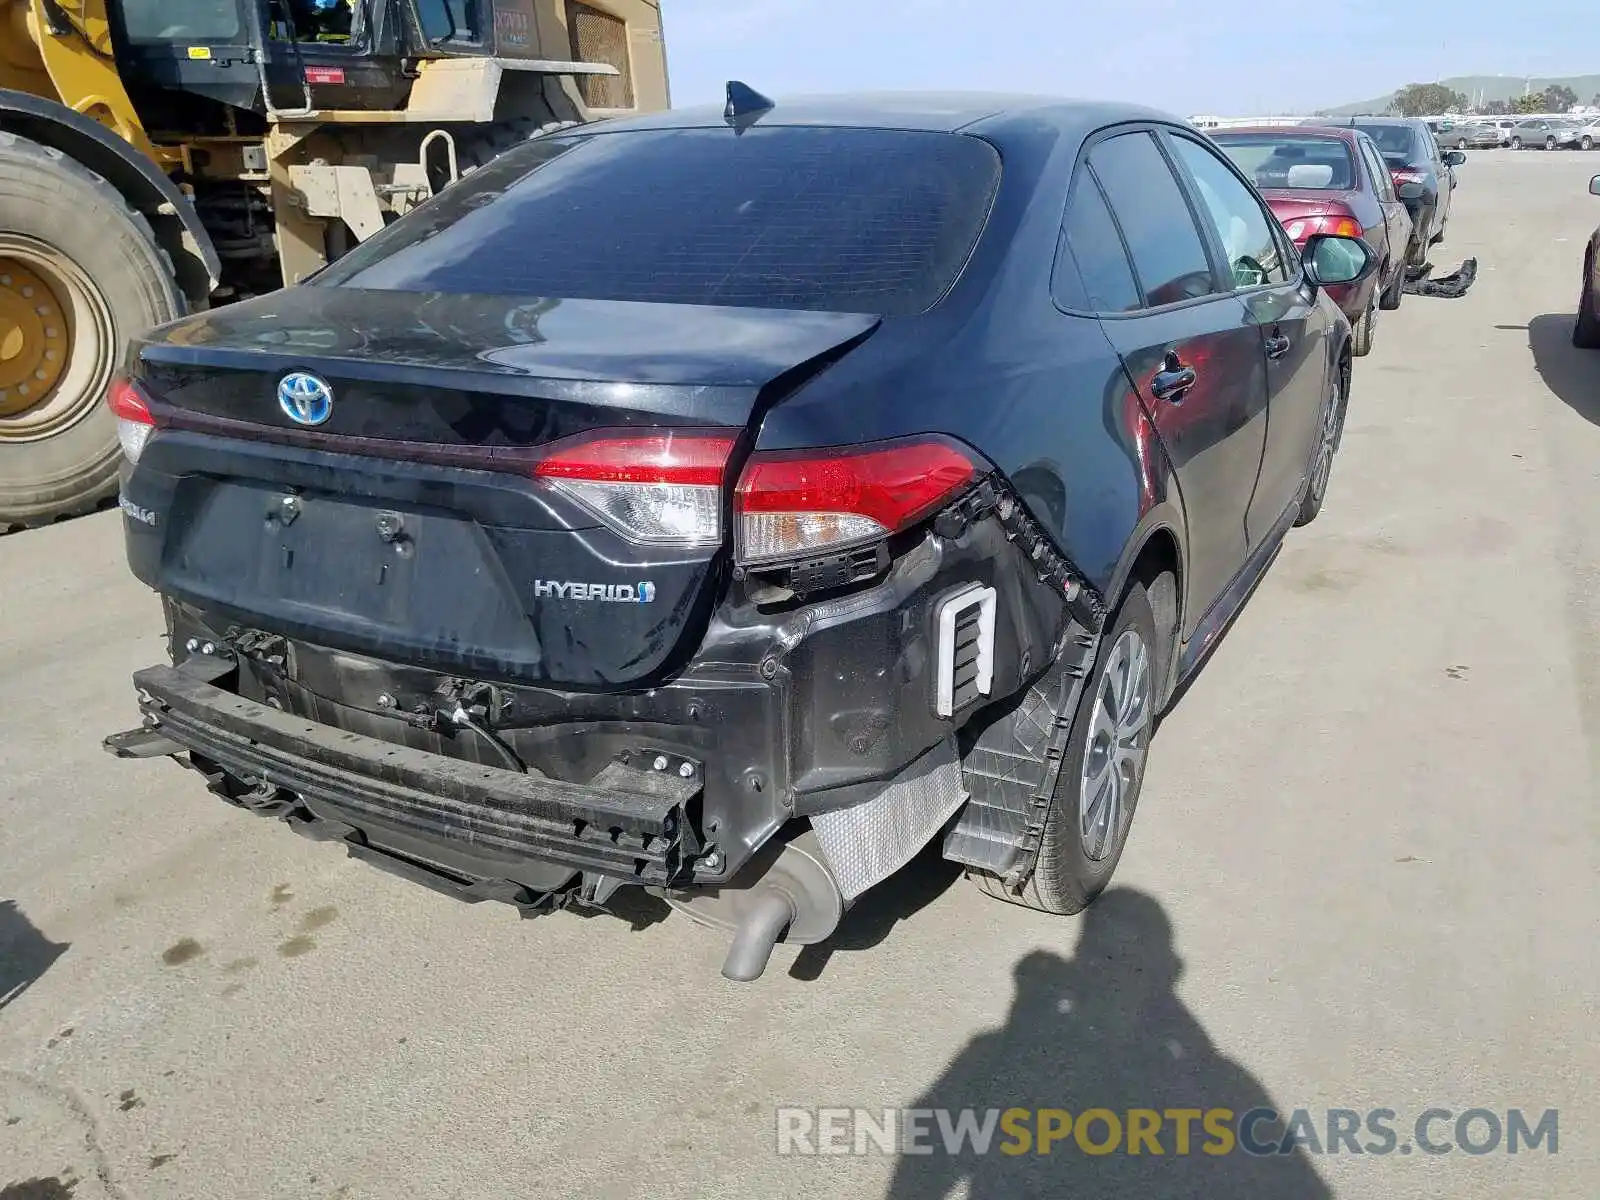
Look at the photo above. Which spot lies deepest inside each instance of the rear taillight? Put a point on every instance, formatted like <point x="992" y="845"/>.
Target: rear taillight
<point x="134" y="422"/>
<point x="800" y="503"/>
<point x="658" y="488"/>
<point x="1339" y="224"/>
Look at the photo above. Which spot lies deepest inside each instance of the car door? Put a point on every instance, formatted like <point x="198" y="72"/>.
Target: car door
<point x="1283" y="308"/>
<point x="1187" y="343"/>
<point x="1397" y="221"/>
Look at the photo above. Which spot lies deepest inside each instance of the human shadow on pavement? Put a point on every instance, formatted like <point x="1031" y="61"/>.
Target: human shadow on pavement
<point x="1104" y="1031"/>
<point x="1572" y="374"/>
<point x="25" y="952"/>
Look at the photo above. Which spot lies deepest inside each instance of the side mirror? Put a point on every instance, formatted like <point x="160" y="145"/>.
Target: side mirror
<point x="1333" y="259"/>
<point x="1594" y="186"/>
<point x="1454" y="158"/>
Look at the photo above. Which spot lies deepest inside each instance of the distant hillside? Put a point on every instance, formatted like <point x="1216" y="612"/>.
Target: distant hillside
<point x="1482" y="88"/>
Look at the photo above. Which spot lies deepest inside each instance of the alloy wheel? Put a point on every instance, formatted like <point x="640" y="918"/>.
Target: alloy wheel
<point x="1119" y="739"/>
<point x="1328" y="442"/>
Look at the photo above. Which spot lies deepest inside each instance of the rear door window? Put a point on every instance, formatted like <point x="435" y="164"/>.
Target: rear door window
<point x="1381" y="181"/>
<point x="843" y="220"/>
<point x="1162" y="237"/>
<point x="1103" y="280"/>
<point x="1243" y="226"/>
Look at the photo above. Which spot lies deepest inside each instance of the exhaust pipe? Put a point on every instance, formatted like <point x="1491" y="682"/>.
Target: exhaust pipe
<point x="768" y="914"/>
<point x="786" y="892"/>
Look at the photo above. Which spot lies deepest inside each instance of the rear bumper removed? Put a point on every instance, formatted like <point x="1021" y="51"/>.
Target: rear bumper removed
<point x="838" y="713"/>
<point x="627" y="823"/>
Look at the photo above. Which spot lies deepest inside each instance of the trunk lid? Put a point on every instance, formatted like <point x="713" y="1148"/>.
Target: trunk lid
<point x="1287" y="204"/>
<point x="409" y="523"/>
<point x="422" y="367"/>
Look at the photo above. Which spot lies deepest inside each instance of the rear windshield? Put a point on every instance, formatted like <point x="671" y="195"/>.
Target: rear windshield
<point x="842" y="220"/>
<point x="1275" y="160"/>
<point x="1396" y="141"/>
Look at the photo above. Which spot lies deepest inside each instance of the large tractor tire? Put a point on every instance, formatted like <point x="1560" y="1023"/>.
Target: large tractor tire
<point x="80" y="273"/>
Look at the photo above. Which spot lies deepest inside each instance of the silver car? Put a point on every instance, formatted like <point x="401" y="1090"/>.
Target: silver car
<point x="1474" y="135"/>
<point x="1545" y="133"/>
<point x="1589" y="133"/>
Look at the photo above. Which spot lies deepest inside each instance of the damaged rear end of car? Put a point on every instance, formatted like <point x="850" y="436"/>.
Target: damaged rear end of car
<point x="476" y="556"/>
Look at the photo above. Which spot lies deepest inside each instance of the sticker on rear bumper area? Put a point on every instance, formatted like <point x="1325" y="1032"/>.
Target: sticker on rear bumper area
<point x="143" y="515"/>
<point x="614" y="593"/>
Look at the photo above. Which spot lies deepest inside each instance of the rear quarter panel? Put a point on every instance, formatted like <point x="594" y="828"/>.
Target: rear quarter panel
<point x="1039" y="393"/>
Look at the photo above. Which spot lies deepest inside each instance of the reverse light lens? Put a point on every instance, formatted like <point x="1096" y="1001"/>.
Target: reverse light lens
<point x="659" y="489"/>
<point x="134" y="422"/>
<point x="798" y="504"/>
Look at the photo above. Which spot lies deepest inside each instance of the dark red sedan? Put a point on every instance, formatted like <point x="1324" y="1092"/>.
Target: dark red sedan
<point x="1320" y="180"/>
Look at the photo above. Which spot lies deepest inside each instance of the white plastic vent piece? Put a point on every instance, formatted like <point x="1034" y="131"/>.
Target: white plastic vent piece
<point x="965" y="652"/>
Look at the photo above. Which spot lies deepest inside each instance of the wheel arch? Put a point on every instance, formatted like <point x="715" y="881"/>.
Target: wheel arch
<point x="142" y="184"/>
<point x="1156" y="558"/>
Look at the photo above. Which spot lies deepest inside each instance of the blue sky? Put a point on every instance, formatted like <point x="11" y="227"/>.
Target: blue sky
<point x="1221" y="56"/>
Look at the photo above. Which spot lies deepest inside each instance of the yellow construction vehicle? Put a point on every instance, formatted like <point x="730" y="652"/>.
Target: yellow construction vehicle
<point x="159" y="156"/>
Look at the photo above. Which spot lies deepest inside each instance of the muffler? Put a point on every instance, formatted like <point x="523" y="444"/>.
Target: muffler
<point x="786" y="892"/>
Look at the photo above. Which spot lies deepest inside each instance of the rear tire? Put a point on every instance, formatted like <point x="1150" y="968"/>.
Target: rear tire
<point x="1549" y="143"/>
<point x="1586" y="330"/>
<point x="1395" y="292"/>
<point x="85" y="275"/>
<point x="1075" y="866"/>
<point x="1461" y="143"/>
<point x="1586" y="142"/>
<point x="1416" y="251"/>
<point x="1328" y="440"/>
<point x="1361" y="333"/>
<point x="1516" y="143"/>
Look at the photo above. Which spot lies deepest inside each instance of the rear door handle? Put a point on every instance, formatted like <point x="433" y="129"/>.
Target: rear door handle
<point x="1277" y="346"/>
<point x="1173" y="380"/>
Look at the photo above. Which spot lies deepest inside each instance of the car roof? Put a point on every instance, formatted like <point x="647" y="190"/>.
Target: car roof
<point x="934" y="112"/>
<point x="1334" y="133"/>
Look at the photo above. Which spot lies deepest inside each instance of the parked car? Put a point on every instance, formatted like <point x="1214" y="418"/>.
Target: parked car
<point x="1544" y="133"/>
<point x="1505" y="125"/>
<point x="1332" y="181"/>
<point x="732" y="504"/>
<point x="1586" y="329"/>
<point x="1589" y="133"/>
<point x="1423" y="175"/>
<point x="1475" y="135"/>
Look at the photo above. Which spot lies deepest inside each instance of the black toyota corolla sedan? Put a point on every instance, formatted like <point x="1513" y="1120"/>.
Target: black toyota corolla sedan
<point x="731" y="502"/>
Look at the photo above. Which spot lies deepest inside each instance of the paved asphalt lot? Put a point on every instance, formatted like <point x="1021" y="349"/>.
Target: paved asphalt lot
<point x="1363" y="875"/>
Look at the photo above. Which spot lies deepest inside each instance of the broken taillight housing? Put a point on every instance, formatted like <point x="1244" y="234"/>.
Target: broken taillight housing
<point x="134" y="422"/>
<point x="653" y="488"/>
<point x="795" y="504"/>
